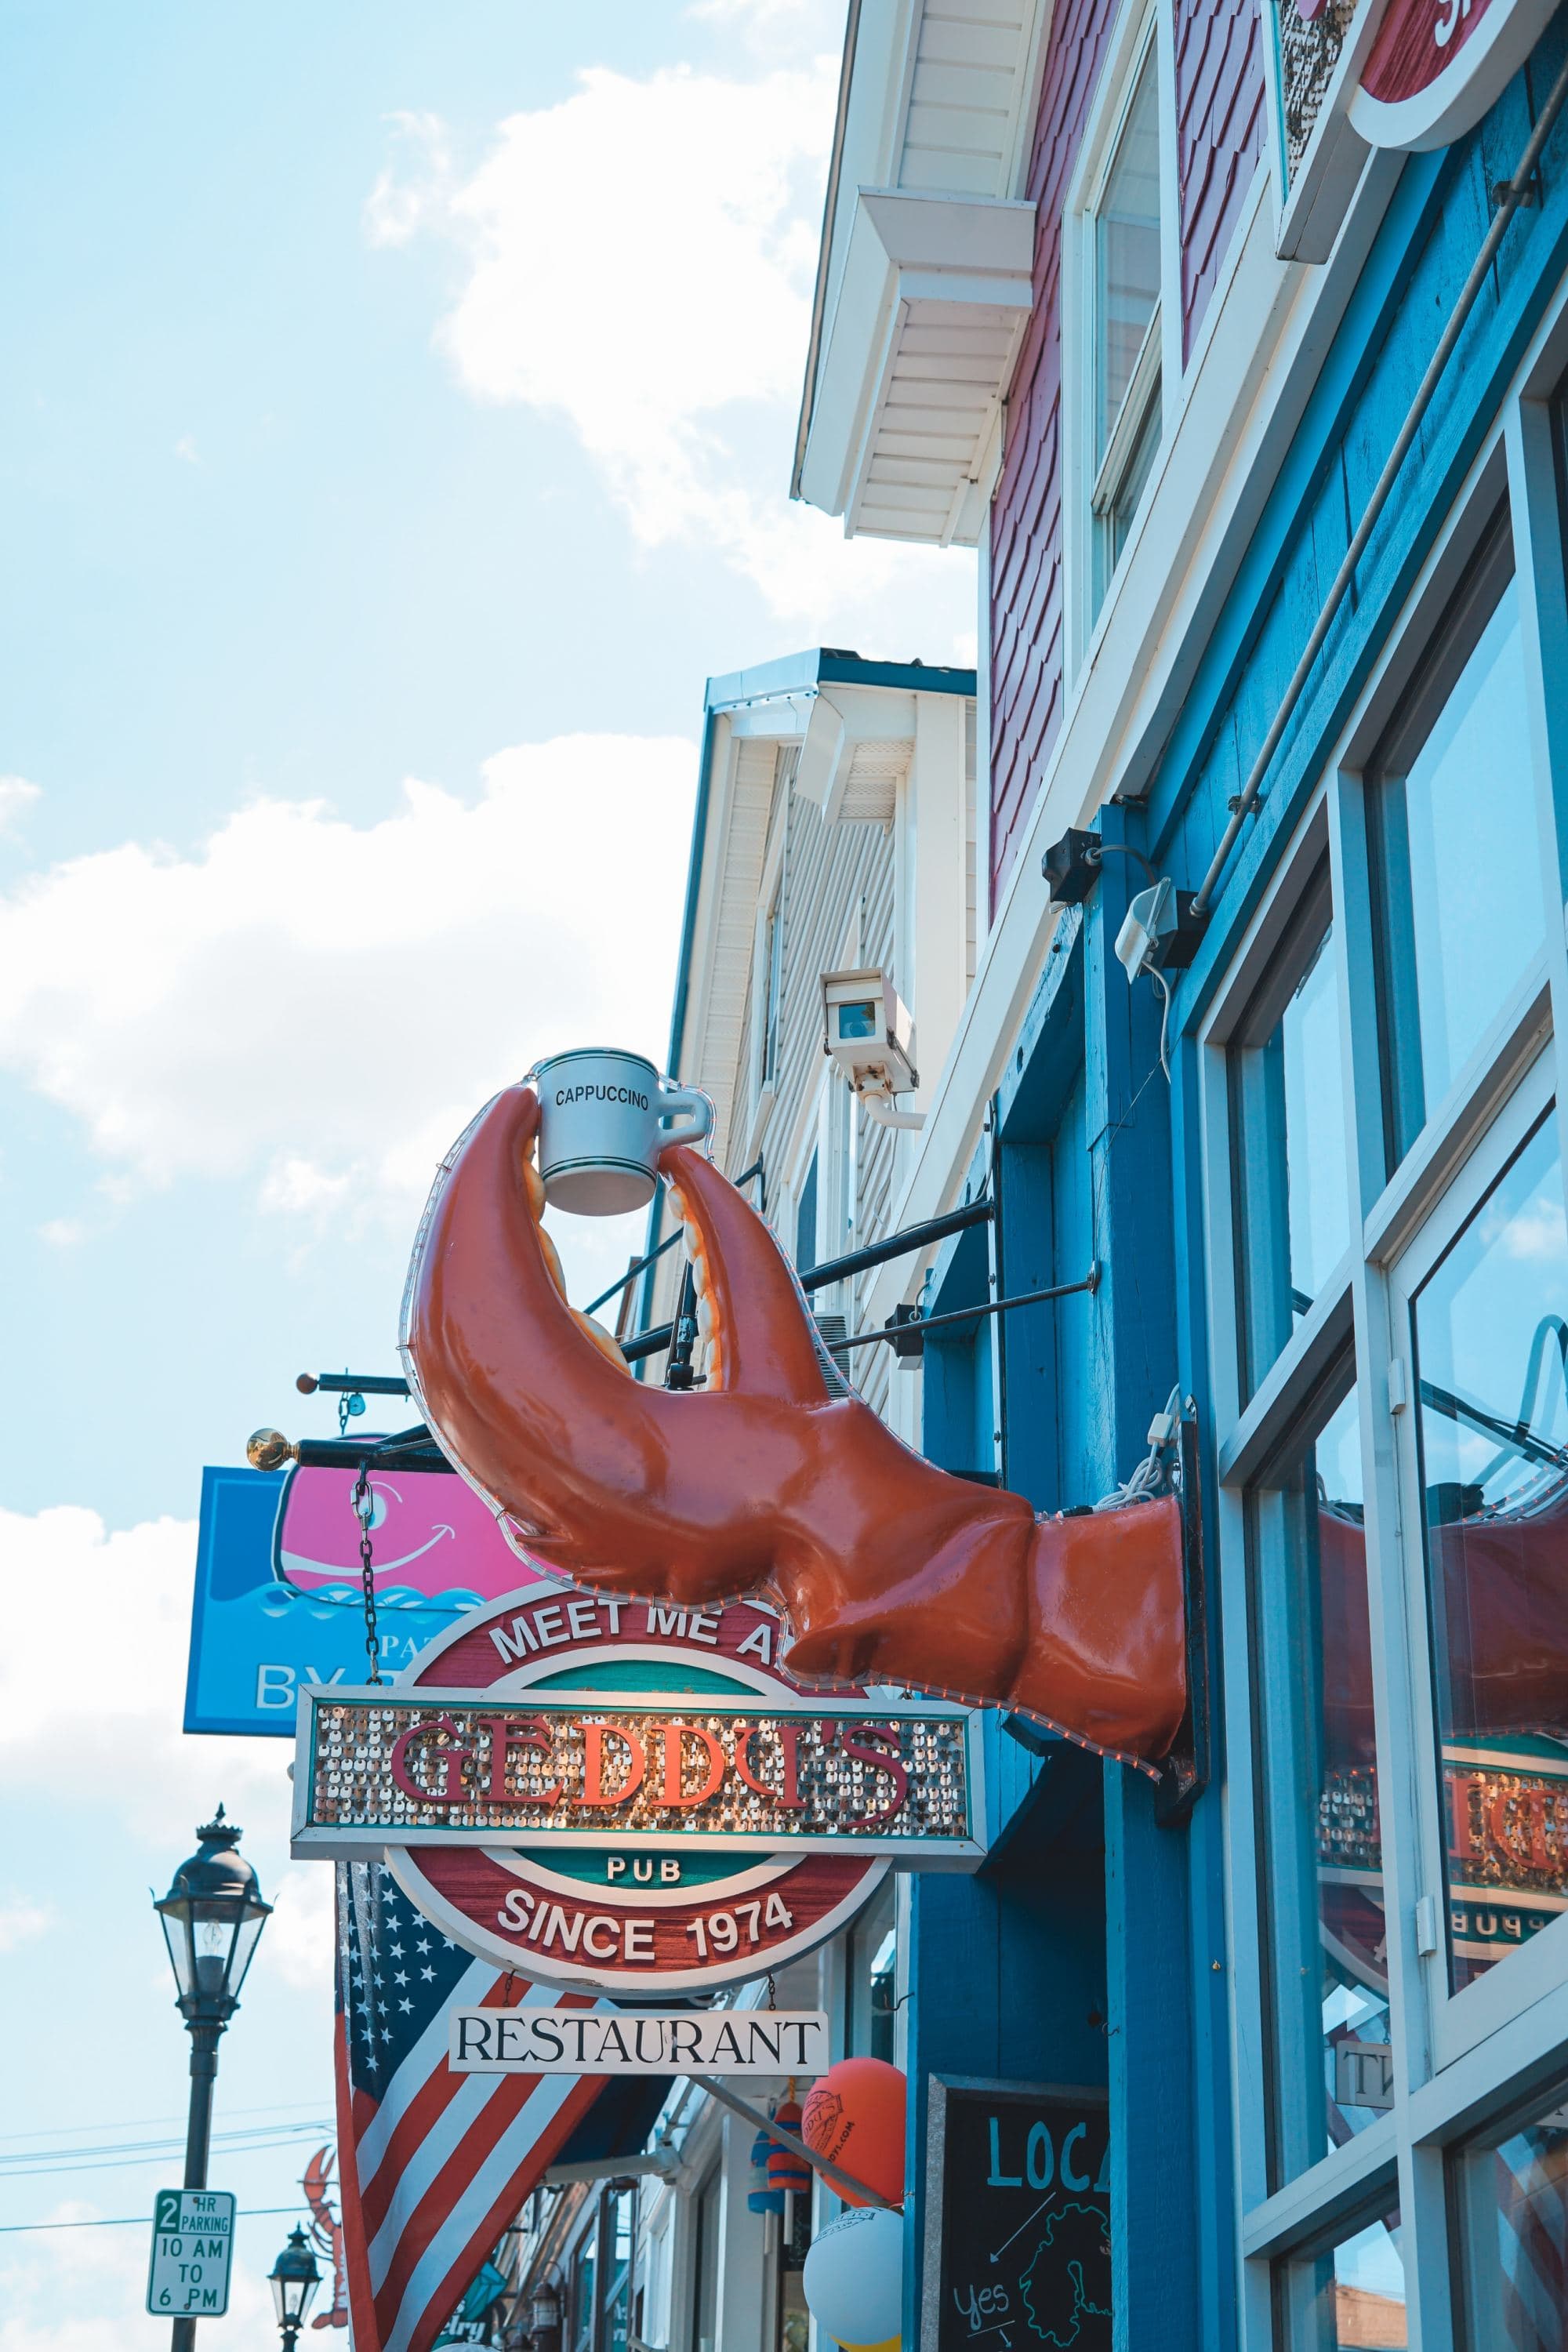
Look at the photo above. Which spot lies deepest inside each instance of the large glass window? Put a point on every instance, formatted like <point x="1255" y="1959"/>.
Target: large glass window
<point x="1289" y="1165"/>
<point x="1126" y="323"/>
<point x="1320" y="1853"/>
<point x="1490" y="1342"/>
<point x="1510" y="2199"/>
<point x="584" y="2270"/>
<point x="705" y="2311"/>
<point x="1456" y="847"/>
<point x="1350" y="2295"/>
<point x="874" y="1962"/>
<point x="617" y="2227"/>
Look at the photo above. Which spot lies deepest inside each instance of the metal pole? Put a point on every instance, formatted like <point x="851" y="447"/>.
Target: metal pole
<point x="204" y="2036"/>
<point x="833" y="2173"/>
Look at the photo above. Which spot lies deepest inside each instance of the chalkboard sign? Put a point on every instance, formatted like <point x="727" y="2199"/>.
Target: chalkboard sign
<point x="1017" y="2218"/>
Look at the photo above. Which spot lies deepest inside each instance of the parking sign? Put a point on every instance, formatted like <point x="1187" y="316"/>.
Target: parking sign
<point x="193" y="2239"/>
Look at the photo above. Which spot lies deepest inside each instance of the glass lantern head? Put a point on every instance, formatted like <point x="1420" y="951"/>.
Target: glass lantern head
<point x="213" y="1916"/>
<point x="294" y="2278"/>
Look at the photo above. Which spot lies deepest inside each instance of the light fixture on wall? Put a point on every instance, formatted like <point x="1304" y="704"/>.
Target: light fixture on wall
<point x="868" y="1033"/>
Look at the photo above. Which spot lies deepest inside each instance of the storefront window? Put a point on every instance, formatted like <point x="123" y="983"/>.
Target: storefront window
<point x="617" y="2227"/>
<point x="1512" y="2232"/>
<point x="705" y="2308"/>
<point x="1289" y="1162"/>
<point x="874" y="1954"/>
<point x="1490" y="1344"/>
<point x="1455" y="848"/>
<point x="794" y="2244"/>
<point x="585" y="2269"/>
<point x="1352" y="2295"/>
<point x="1320" y="1853"/>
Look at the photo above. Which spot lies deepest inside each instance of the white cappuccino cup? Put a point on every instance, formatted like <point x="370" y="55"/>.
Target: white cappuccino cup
<point x="604" y="1118"/>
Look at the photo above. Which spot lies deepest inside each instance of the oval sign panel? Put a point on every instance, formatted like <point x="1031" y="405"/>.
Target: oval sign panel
<point x="647" y="1919"/>
<point x="1436" y="66"/>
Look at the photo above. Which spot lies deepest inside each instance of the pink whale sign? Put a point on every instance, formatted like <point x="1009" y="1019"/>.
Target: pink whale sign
<point x="431" y="1537"/>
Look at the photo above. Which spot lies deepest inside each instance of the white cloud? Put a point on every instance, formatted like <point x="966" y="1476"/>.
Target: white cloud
<point x="300" y="1931"/>
<point x="414" y="180"/>
<point x="316" y="1008"/>
<point x="106" y="1728"/>
<point x="16" y="796"/>
<point x="640" y="264"/>
<point x="1536" y="1232"/>
<point x="187" y="451"/>
<point x="21" y="1919"/>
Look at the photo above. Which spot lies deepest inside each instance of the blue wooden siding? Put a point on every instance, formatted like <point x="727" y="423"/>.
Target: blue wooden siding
<point x="1097" y="1158"/>
<point x="1414" y="274"/>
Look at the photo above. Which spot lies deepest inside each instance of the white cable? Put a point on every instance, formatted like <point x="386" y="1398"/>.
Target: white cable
<point x="1149" y="1479"/>
<point x="1163" y="985"/>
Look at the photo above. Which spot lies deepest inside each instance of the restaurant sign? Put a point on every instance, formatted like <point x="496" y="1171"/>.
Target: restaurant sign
<point x="708" y="1816"/>
<point x="533" y="2040"/>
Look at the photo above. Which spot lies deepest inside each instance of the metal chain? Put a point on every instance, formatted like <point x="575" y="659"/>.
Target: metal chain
<point x="364" y="1508"/>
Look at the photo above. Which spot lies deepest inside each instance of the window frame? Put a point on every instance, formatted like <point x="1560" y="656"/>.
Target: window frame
<point x="1459" y="2019"/>
<point x="1091" y="484"/>
<point x="1460" y="2060"/>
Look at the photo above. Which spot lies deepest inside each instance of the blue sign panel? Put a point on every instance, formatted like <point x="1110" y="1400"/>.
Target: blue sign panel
<point x="254" y="1638"/>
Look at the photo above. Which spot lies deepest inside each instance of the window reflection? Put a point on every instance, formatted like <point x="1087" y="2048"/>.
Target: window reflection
<point x="583" y="2269"/>
<point x="1127" y="253"/>
<point x="1490" y="1343"/>
<point x="874" y="1950"/>
<point x="1512" y="2233"/>
<point x="1353" y="2296"/>
<point x="705" y="2302"/>
<point x="617" y="2226"/>
<point x="1456" y="842"/>
<point x="1322" y="1854"/>
<point x="1290" y="1162"/>
<point x="884" y="1999"/>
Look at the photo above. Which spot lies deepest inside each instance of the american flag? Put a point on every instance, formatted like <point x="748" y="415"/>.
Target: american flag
<point x="433" y="2165"/>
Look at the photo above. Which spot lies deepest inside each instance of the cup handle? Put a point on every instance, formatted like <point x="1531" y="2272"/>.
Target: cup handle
<point x="692" y="1100"/>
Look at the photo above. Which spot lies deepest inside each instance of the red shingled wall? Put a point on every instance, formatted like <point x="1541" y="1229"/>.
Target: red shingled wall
<point x="1219" y="136"/>
<point x="1220" y="113"/>
<point x="1026" y="649"/>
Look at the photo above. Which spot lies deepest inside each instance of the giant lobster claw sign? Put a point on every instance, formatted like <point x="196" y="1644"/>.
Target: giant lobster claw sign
<point x="766" y="1481"/>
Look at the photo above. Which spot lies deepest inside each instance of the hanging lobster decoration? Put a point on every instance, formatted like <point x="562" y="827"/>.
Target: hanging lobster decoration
<point x="327" y="2233"/>
<point x="766" y="1481"/>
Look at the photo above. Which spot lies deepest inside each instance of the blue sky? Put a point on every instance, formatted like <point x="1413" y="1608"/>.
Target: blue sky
<point x="395" y="433"/>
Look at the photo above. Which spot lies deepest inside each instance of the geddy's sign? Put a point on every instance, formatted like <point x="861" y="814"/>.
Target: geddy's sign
<point x="806" y="1773"/>
<point x="603" y="1705"/>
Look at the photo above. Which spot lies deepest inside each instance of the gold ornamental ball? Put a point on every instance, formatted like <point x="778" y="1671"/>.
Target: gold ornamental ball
<point x="268" y="1449"/>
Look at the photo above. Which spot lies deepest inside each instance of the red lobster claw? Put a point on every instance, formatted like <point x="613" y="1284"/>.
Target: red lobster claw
<point x="765" y="1481"/>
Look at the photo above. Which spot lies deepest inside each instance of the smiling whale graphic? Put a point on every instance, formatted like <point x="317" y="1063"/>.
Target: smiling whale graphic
<point x="431" y="1538"/>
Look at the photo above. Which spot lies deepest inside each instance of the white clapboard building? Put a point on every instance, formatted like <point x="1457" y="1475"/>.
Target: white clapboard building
<point x="834" y="835"/>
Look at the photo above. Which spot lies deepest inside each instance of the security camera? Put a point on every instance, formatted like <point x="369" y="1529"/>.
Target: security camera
<point x="868" y="1033"/>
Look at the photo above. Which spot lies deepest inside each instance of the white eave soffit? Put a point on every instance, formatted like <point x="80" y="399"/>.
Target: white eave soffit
<point x="934" y="297"/>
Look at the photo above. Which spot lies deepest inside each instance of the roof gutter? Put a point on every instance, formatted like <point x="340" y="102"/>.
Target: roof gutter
<point x="829" y="210"/>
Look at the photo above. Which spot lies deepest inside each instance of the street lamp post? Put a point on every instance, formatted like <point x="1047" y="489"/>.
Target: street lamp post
<point x="295" y="2278"/>
<point x="213" y="1916"/>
